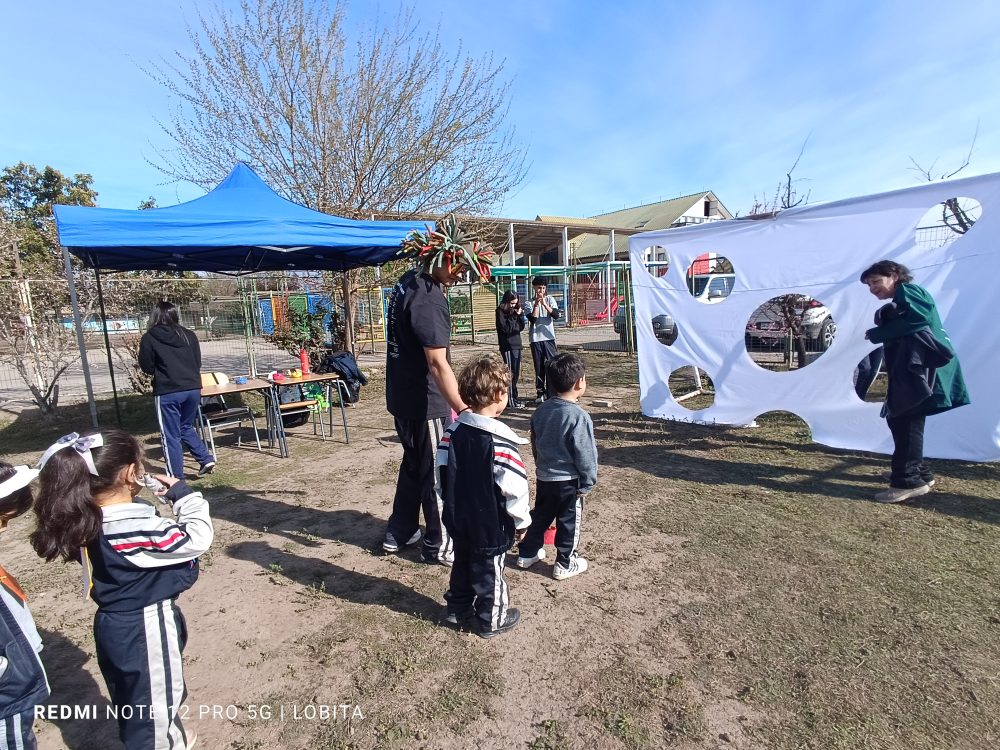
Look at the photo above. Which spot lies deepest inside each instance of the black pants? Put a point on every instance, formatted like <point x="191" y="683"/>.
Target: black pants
<point x="541" y="353"/>
<point x="477" y="583"/>
<point x="908" y="467"/>
<point x="415" y="487"/>
<point x="139" y="653"/>
<point x="512" y="358"/>
<point x="559" y="502"/>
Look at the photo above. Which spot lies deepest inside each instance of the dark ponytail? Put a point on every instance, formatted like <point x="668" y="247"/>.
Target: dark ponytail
<point x="66" y="510"/>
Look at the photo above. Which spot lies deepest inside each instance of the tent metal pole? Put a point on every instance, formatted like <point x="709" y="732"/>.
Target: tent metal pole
<point x="81" y="344"/>
<point x="107" y="345"/>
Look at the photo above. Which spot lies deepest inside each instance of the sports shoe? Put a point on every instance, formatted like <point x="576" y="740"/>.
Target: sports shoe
<point x="887" y="475"/>
<point x="526" y="562"/>
<point x="509" y="623"/>
<point x="899" y="494"/>
<point x="576" y="566"/>
<point x="206" y="468"/>
<point x="456" y="619"/>
<point x="389" y="544"/>
<point x="438" y="558"/>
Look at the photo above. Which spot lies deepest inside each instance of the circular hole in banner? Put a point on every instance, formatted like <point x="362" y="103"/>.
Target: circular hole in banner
<point x="789" y="332"/>
<point x="656" y="259"/>
<point x="710" y="278"/>
<point x="664" y="329"/>
<point x="870" y="381"/>
<point x="692" y="388"/>
<point x="947" y="221"/>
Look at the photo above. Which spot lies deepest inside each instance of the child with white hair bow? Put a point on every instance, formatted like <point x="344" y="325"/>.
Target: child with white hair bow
<point x="135" y="564"/>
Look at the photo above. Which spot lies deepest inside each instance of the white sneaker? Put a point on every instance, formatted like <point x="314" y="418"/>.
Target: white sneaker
<point x="576" y="566"/>
<point x="526" y="562"/>
<point x="389" y="544"/>
<point x="899" y="494"/>
<point x="887" y="475"/>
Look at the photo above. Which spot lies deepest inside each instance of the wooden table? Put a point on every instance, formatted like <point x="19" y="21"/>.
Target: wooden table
<point x="330" y="380"/>
<point x="275" y="427"/>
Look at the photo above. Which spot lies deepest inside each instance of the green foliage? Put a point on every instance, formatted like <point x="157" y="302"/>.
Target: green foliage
<point x="303" y="330"/>
<point x="460" y="304"/>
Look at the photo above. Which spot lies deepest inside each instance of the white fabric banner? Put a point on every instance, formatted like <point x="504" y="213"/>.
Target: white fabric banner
<point x="820" y="251"/>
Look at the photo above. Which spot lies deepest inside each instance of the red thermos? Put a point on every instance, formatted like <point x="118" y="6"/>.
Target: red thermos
<point x="304" y="361"/>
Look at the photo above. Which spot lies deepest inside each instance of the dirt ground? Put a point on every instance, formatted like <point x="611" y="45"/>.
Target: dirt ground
<point x="304" y="634"/>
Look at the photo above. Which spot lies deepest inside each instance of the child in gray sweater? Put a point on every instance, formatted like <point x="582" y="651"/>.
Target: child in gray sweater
<point x="562" y="442"/>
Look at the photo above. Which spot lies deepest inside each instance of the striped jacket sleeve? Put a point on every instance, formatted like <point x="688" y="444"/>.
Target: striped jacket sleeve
<point x="512" y="479"/>
<point x="155" y="542"/>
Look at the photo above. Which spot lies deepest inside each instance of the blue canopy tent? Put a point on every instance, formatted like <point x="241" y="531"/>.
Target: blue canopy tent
<point x="242" y="226"/>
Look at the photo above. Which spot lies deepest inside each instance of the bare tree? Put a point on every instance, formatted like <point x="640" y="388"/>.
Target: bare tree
<point x="954" y="215"/>
<point x="396" y="121"/>
<point x="787" y="307"/>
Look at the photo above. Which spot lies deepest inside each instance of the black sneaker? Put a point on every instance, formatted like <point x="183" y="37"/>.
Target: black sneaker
<point x="206" y="468"/>
<point x="456" y="619"/>
<point x="437" y="558"/>
<point x="509" y="623"/>
<point x="390" y="545"/>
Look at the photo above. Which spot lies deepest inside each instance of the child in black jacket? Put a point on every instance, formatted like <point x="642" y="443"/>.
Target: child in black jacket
<point x="484" y="488"/>
<point x="510" y="322"/>
<point x="23" y="684"/>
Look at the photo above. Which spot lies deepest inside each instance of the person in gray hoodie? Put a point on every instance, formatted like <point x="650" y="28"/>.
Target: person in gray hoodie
<point x="170" y="353"/>
<point x="562" y="442"/>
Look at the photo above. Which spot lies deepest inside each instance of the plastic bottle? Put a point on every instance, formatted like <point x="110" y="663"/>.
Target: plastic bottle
<point x="304" y="361"/>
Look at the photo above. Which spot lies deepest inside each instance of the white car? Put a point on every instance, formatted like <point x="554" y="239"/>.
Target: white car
<point x="768" y="326"/>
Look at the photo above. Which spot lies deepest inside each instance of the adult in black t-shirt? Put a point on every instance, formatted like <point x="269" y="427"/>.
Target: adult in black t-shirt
<point x="420" y="392"/>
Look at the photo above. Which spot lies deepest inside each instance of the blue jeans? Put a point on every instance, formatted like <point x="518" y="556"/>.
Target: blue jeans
<point x="176" y="413"/>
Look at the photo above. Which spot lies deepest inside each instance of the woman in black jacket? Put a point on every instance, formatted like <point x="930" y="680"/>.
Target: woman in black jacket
<point x="170" y="353"/>
<point x="510" y="323"/>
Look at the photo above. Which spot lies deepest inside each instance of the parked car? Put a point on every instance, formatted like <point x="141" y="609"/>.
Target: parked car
<point x="768" y="326"/>
<point x="664" y="327"/>
<point x="711" y="288"/>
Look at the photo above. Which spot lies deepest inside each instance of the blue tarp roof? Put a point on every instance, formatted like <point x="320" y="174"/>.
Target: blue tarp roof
<point x="240" y="226"/>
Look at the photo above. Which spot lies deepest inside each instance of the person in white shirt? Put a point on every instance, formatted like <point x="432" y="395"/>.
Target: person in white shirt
<point x="543" y="312"/>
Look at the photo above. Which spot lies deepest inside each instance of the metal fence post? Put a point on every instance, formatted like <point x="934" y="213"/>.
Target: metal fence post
<point x="78" y="324"/>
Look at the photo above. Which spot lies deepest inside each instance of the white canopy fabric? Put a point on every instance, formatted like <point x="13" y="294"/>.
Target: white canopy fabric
<point x="820" y="251"/>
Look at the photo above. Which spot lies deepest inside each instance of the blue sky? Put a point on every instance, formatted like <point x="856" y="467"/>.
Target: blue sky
<point x="619" y="104"/>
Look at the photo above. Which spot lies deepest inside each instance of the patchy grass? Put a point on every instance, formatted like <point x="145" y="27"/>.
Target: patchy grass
<point x="744" y="592"/>
<point x="849" y="624"/>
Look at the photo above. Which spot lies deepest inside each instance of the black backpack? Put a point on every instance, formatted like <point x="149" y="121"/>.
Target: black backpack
<point x="344" y="364"/>
<point x="292" y="394"/>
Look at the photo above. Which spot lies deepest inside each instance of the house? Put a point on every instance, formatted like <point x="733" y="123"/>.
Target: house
<point x="585" y="247"/>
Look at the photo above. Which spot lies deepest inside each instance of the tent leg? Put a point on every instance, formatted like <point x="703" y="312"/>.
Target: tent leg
<point x="107" y="345"/>
<point x="81" y="344"/>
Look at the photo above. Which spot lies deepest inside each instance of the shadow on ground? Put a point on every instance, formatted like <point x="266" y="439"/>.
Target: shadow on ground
<point x="333" y="580"/>
<point x="73" y="686"/>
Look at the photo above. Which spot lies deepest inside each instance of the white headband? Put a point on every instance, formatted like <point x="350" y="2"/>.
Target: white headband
<point x="23" y="476"/>
<point x="81" y="445"/>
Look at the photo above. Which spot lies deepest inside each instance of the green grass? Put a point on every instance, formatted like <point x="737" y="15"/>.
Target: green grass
<point x="848" y="624"/>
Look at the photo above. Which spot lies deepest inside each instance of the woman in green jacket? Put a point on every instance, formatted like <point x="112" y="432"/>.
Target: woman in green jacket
<point x="925" y="377"/>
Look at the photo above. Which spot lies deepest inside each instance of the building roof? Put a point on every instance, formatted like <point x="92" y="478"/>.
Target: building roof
<point x="659" y="215"/>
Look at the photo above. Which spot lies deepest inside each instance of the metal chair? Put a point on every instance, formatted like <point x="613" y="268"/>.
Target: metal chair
<point x="214" y="413"/>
